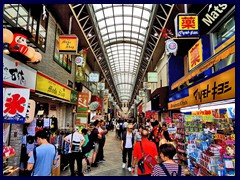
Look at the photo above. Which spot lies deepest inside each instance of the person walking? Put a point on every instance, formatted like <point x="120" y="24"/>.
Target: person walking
<point x="148" y="148"/>
<point x="127" y="146"/>
<point x="75" y="140"/>
<point x="43" y="157"/>
<point x="169" y="167"/>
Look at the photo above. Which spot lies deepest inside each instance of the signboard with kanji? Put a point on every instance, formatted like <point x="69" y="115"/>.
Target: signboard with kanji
<point x="82" y="104"/>
<point x="186" y="25"/>
<point x="195" y="55"/>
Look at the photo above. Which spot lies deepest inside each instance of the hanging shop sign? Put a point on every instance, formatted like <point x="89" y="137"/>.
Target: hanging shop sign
<point x="195" y="56"/>
<point x="142" y="93"/>
<point x="79" y="61"/>
<point x="81" y="118"/>
<point x="73" y="96"/>
<point x="17" y="74"/>
<point x="171" y="47"/>
<point x="105" y="104"/>
<point x="30" y="111"/>
<point x="106" y="91"/>
<point x="86" y="90"/>
<point x="186" y="25"/>
<point x="100" y="86"/>
<point x="15" y="104"/>
<point x="147" y="85"/>
<point x="82" y="105"/>
<point x="94" y="77"/>
<point x="94" y="105"/>
<point x="152" y="77"/>
<point x="50" y="86"/>
<point x="219" y="87"/>
<point x="68" y="44"/>
<point x="212" y="14"/>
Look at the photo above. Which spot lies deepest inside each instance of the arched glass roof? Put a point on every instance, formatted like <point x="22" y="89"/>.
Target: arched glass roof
<point x="123" y="29"/>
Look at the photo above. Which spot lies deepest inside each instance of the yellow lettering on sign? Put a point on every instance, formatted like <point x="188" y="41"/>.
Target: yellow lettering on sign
<point x="47" y="86"/>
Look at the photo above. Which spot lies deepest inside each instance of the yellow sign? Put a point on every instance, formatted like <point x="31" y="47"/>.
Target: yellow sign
<point x="68" y="44"/>
<point x="49" y="86"/>
<point x="195" y="55"/>
<point x="188" y="22"/>
<point x="230" y="50"/>
<point x="217" y="88"/>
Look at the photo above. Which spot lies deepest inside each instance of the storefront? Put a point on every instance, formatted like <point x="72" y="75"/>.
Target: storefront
<point x="18" y="84"/>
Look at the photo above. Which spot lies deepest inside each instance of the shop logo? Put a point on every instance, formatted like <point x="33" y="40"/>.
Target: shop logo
<point x="214" y="11"/>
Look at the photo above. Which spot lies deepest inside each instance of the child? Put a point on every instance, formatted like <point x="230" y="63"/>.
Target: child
<point x="84" y="133"/>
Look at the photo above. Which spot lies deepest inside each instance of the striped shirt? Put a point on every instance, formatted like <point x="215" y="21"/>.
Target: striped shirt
<point x="157" y="171"/>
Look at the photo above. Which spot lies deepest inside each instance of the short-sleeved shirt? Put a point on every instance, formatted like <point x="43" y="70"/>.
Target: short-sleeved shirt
<point x="45" y="155"/>
<point x="157" y="171"/>
<point x="76" y="137"/>
<point x="148" y="148"/>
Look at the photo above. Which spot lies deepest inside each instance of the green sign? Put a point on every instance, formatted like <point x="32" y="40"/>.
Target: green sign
<point x="73" y="96"/>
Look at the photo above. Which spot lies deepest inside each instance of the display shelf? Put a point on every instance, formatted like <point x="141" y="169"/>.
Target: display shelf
<point x="4" y="157"/>
<point x="12" y="171"/>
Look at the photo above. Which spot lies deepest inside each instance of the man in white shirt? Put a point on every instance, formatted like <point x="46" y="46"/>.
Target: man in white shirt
<point x="75" y="140"/>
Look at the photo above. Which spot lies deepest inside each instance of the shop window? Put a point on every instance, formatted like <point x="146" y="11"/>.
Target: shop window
<point x="223" y="34"/>
<point x="225" y="62"/>
<point x="29" y="17"/>
<point x="64" y="60"/>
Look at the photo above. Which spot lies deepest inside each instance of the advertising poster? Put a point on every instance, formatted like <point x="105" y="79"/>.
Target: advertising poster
<point x="15" y="105"/>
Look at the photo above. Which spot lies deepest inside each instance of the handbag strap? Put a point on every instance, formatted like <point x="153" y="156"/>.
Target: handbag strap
<point x="164" y="169"/>
<point x="142" y="148"/>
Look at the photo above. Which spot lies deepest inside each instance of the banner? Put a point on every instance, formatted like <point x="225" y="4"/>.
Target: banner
<point x="147" y="85"/>
<point x="152" y="77"/>
<point x="100" y="86"/>
<point x="105" y="104"/>
<point x="195" y="55"/>
<point x="80" y="70"/>
<point x="15" y="105"/>
<point x="82" y="105"/>
<point x="17" y="74"/>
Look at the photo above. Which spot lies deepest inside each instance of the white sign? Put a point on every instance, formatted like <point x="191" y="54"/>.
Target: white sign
<point x="79" y="61"/>
<point x="15" y="105"/>
<point x="152" y="77"/>
<point x="171" y="47"/>
<point x="100" y="86"/>
<point x="94" y="77"/>
<point x="17" y="74"/>
<point x="106" y="91"/>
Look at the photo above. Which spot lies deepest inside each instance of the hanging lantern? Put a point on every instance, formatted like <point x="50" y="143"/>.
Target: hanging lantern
<point x="7" y="39"/>
<point x="30" y="52"/>
<point x="37" y="57"/>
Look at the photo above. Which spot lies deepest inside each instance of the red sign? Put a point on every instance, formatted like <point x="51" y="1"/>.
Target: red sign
<point x="82" y="102"/>
<point x="96" y="98"/>
<point x="140" y="109"/>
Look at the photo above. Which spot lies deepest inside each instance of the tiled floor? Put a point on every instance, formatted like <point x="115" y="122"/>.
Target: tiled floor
<point x="113" y="164"/>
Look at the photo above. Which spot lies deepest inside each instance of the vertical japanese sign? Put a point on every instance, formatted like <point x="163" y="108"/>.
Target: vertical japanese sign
<point x="15" y="105"/>
<point x="82" y="108"/>
<point x="82" y="105"/>
<point x="105" y="104"/>
<point x="80" y="69"/>
<point x="186" y="25"/>
<point x="195" y="55"/>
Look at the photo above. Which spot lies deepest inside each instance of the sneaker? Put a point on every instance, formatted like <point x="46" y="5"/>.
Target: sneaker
<point x="101" y="161"/>
<point x="87" y="171"/>
<point x="123" y="165"/>
<point x="129" y="169"/>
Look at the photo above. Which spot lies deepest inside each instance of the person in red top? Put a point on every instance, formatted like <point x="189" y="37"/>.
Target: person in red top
<point x="148" y="148"/>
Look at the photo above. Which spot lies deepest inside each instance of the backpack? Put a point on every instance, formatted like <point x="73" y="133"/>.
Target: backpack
<point x="174" y="172"/>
